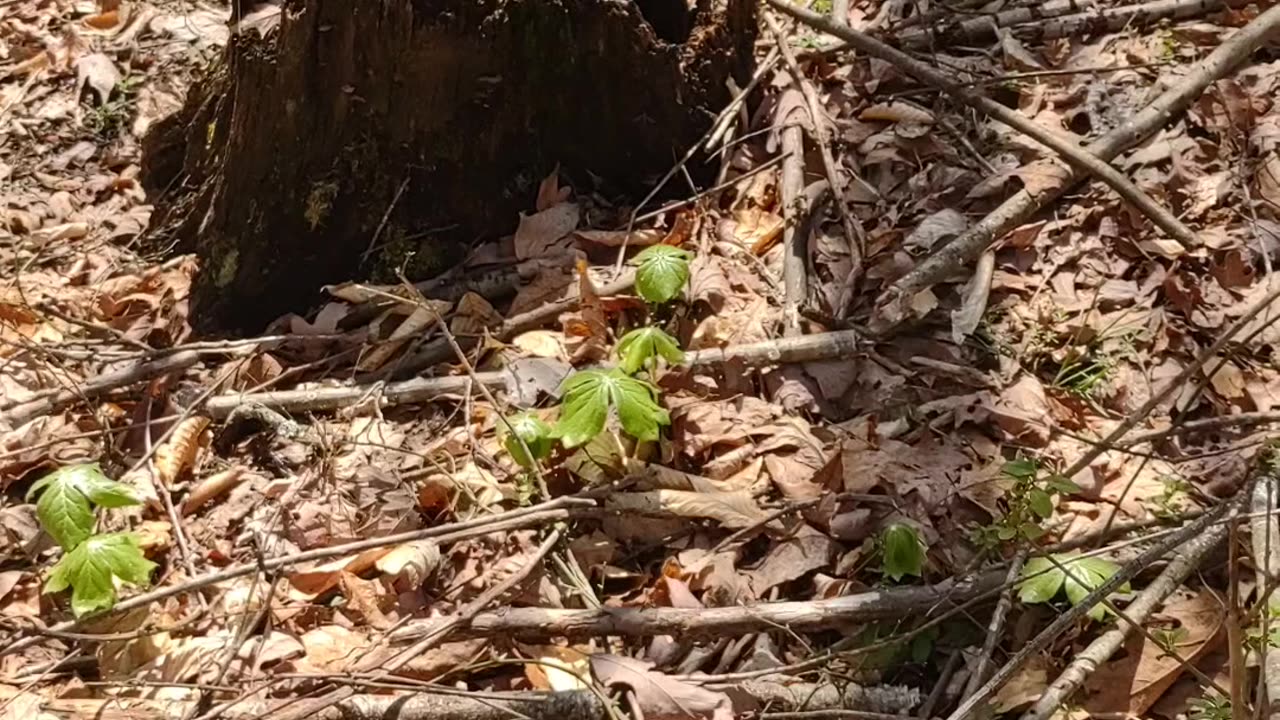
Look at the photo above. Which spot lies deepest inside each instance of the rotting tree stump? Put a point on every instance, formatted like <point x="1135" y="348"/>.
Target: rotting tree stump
<point x="426" y="122"/>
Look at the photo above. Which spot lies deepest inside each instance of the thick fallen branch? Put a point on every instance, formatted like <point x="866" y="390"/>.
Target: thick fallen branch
<point x="98" y="386"/>
<point x="1055" y="18"/>
<point x="1085" y="160"/>
<point x="895" y="305"/>
<point x="801" y="616"/>
<point x="1100" y="650"/>
<point x="821" y="346"/>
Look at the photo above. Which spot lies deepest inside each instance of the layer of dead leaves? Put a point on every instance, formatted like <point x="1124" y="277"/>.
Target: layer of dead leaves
<point x="1090" y="311"/>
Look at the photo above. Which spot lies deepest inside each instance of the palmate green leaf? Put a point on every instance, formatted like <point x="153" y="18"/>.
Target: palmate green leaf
<point x="638" y="346"/>
<point x="902" y="551"/>
<point x="536" y="435"/>
<point x="1045" y="577"/>
<point x="93" y="567"/>
<point x="1041" y="581"/>
<point x="65" y="495"/>
<point x="588" y="397"/>
<point x="661" y="272"/>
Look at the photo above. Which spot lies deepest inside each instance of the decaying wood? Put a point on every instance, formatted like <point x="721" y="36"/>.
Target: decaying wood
<point x="291" y="157"/>
<point x="895" y="305"/>
<point x="1264" y="540"/>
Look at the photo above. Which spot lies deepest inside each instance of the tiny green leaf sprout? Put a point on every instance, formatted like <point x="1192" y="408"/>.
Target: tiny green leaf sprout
<point x="589" y="395"/>
<point x="90" y="564"/>
<point x="1044" y="577"/>
<point x="661" y="272"/>
<point x="901" y="552"/>
<point x="528" y="431"/>
<point x="642" y="345"/>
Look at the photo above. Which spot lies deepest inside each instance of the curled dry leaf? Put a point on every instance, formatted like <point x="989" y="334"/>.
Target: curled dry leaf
<point x="212" y="487"/>
<point x="179" y="453"/>
<point x="897" y="112"/>
<point x="558" y="669"/>
<point x="411" y="562"/>
<point x="615" y="238"/>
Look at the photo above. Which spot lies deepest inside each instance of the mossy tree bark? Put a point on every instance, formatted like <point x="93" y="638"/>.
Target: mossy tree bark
<point x="403" y="117"/>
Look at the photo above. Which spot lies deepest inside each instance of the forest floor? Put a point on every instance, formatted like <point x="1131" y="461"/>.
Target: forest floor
<point x="1031" y="477"/>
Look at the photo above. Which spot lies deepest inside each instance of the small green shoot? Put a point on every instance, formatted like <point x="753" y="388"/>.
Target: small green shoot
<point x="901" y="552"/>
<point x="1210" y="707"/>
<point x="1028" y="503"/>
<point x="93" y="567"/>
<point x="645" y="345"/>
<point x="536" y="435"/>
<point x="661" y="272"/>
<point x="1044" y="578"/>
<point x="90" y="564"/>
<point x="590" y="395"/>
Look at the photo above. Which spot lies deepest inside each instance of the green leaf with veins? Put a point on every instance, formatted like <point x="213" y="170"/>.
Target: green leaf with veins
<point x="1079" y="576"/>
<point x="93" y="567"/>
<point x="588" y="397"/>
<point x="661" y="272"/>
<point x="65" y="494"/>
<point x="638" y="346"/>
<point x="902" y="551"/>
<point x="535" y="433"/>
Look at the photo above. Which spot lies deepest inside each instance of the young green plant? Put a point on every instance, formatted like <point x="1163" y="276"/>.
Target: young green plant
<point x="91" y="564"/>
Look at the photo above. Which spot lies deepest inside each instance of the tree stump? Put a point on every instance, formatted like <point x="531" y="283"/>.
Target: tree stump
<point x="427" y="123"/>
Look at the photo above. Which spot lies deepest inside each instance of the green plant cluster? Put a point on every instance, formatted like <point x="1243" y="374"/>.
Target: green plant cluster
<point x="91" y="564"/>
<point x="590" y="397"/>
<point x="1028" y="503"/>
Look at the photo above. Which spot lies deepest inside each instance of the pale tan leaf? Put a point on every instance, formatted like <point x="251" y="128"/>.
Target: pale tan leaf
<point x="413" y="562"/>
<point x="736" y="509"/>
<point x="212" y="487"/>
<point x="179" y="453"/>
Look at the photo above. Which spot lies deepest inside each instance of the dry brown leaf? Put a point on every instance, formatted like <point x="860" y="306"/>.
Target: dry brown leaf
<point x="1131" y="684"/>
<point x="557" y="669"/>
<point x="946" y="223"/>
<point x="1026" y="686"/>
<point x="802" y="553"/>
<point x="474" y="316"/>
<point x="179" y="453"/>
<point x="98" y="73"/>
<point x="542" y="343"/>
<point x="212" y="487"/>
<point x="1023" y="411"/>
<point x="660" y="697"/>
<point x="897" y="112"/>
<point x="550" y="193"/>
<point x="615" y="238"/>
<point x="542" y="233"/>
<point x="736" y="509"/>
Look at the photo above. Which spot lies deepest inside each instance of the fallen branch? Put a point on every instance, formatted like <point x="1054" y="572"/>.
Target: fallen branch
<point x="1106" y="645"/>
<point x="819" y="346"/>
<point x="561" y="508"/>
<point x="439" y="350"/>
<point x="801" y="616"/>
<point x="439" y="630"/>
<point x="895" y="304"/>
<point x="1083" y="159"/>
<point x="849" y="700"/>
<point x="1264" y="537"/>
<point x="98" y="386"/>
<point x="1056" y="18"/>
<point x="1202" y="425"/>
